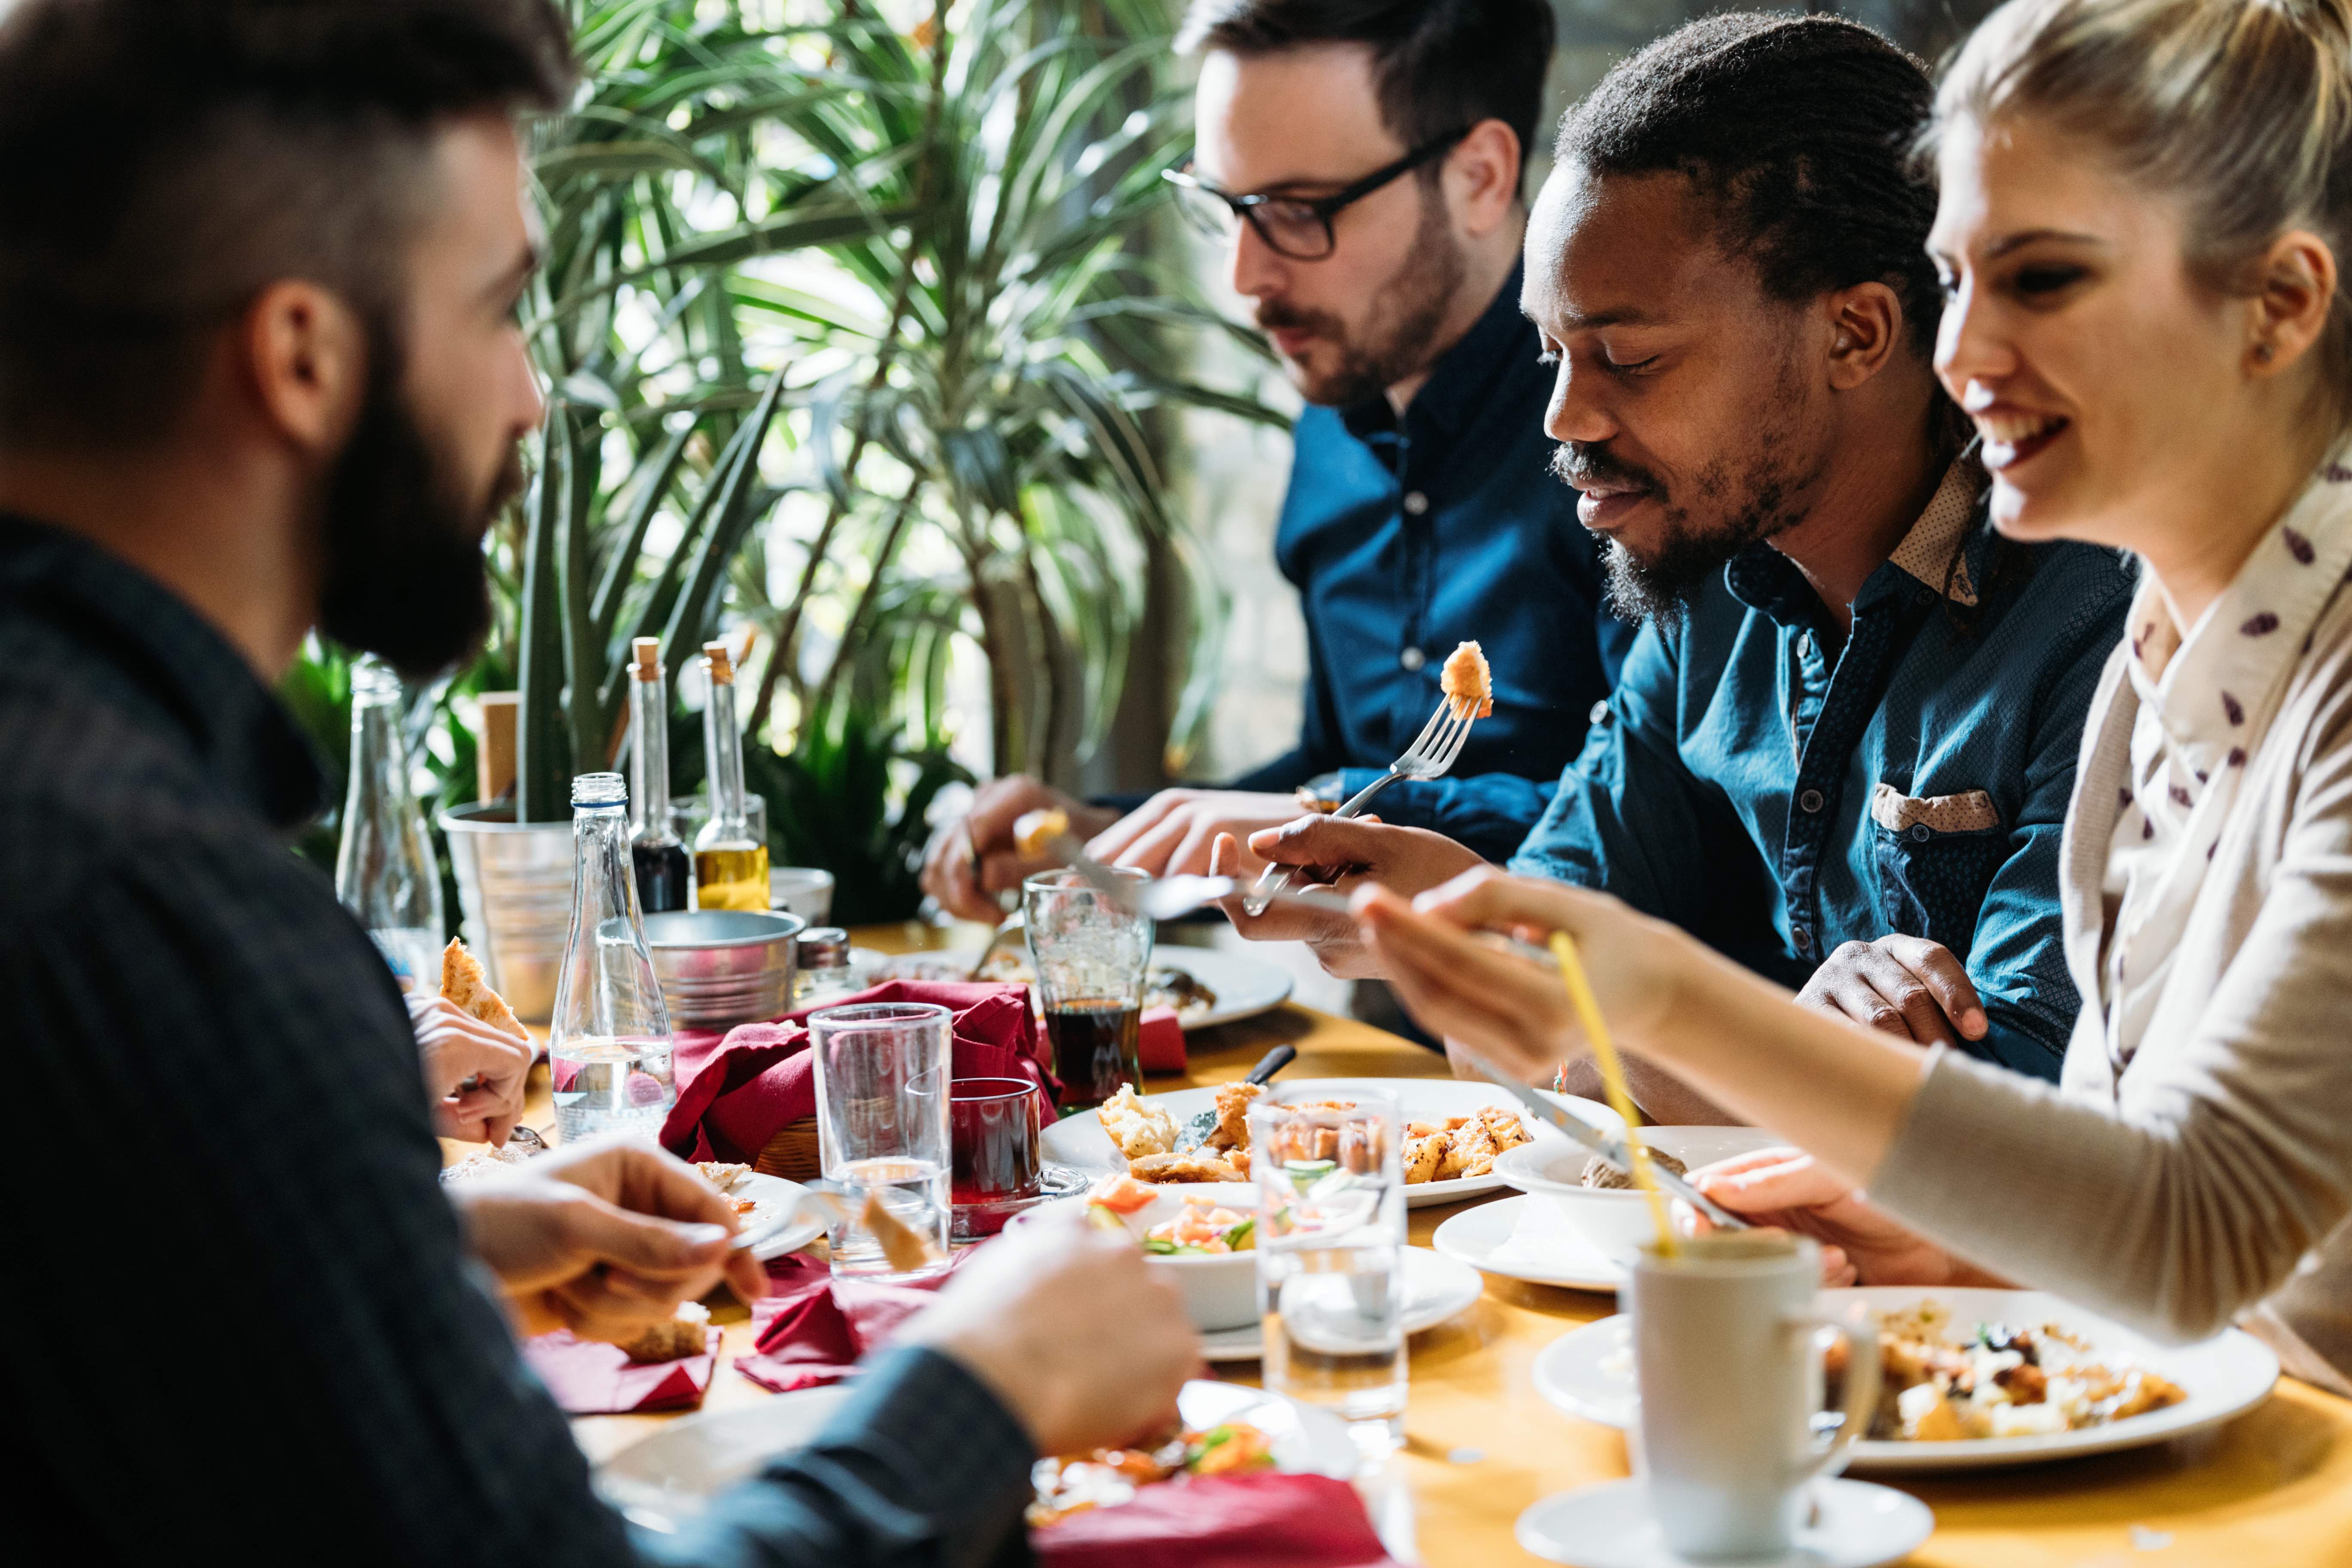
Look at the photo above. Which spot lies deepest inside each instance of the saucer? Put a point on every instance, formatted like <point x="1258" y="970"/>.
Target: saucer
<point x="1857" y="1525"/>
<point x="1527" y="1239"/>
<point x="1435" y="1289"/>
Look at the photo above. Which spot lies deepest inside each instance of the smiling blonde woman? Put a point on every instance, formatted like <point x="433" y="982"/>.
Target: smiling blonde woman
<point x="2144" y="207"/>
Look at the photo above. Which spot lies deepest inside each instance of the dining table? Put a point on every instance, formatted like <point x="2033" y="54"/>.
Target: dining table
<point x="2271" y="1488"/>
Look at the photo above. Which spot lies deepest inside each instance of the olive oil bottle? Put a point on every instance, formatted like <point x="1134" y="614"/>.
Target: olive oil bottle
<point x="730" y="866"/>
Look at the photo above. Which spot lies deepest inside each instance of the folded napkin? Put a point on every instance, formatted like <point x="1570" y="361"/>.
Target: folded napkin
<point x="1161" y="1041"/>
<point x="810" y="1329"/>
<point x="589" y="1377"/>
<point x="735" y="1090"/>
<point x="1221" y="1521"/>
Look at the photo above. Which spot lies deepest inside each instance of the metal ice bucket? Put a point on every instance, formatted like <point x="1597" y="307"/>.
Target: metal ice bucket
<point x="514" y="884"/>
<point x="718" y="968"/>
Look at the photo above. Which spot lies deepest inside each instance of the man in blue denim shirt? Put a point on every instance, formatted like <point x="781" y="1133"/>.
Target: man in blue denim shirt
<point x="1380" y="145"/>
<point x="1850" y="729"/>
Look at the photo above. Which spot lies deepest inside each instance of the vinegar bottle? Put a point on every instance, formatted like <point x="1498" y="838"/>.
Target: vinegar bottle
<point x="663" y="872"/>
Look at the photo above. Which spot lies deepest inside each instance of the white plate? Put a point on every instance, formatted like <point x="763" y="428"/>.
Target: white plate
<point x="672" y="1475"/>
<point x="1435" y="1290"/>
<point x="1611" y="1526"/>
<point x="1588" y="1371"/>
<point x="769" y="1195"/>
<point x="1079" y="1140"/>
<point x="1244" y="986"/>
<point x="1527" y="1239"/>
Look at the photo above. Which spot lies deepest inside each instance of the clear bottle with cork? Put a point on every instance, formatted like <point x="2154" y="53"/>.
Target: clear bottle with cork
<point x="664" y="875"/>
<point x="386" y="872"/>
<point x="730" y="865"/>
<point x="608" y="1043"/>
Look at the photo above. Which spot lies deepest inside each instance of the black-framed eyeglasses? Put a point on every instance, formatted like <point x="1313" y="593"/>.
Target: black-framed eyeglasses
<point x="1296" y="226"/>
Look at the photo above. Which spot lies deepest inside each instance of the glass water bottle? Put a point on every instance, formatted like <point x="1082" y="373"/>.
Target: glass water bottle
<point x="609" y="1041"/>
<point x="731" y="866"/>
<point x="664" y="873"/>
<point x="385" y="871"/>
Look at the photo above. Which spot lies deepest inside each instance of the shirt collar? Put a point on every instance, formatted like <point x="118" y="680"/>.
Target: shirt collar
<point x="1935" y="552"/>
<point x="2213" y="691"/>
<point x="147" y="635"/>
<point x="1461" y="382"/>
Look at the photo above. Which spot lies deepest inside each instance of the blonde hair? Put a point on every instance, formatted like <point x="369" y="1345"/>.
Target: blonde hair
<point x="2240" y="109"/>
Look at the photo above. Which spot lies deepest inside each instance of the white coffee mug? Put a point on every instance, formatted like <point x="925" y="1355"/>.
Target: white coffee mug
<point x="1728" y="1353"/>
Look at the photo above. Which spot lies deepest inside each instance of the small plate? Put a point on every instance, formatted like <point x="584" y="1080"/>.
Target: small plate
<point x="669" y="1477"/>
<point x="1244" y="986"/>
<point x="769" y="1195"/>
<point x="1527" y="1239"/>
<point x="1589" y="1372"/>
<point x="1611" y="1526"/>
<point x="1436" y="1289"/>
<point x="1080" y="1141"/>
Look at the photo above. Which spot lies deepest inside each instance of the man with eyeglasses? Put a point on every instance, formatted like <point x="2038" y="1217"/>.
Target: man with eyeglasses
<point x="1361" y="160"/>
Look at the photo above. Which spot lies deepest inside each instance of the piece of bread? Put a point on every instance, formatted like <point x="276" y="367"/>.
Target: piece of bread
<point x="673" y="1338"/>
<point x="463" y="982"/>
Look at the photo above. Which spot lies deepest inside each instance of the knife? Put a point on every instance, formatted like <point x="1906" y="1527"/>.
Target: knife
<point x="1610" y="1149"/>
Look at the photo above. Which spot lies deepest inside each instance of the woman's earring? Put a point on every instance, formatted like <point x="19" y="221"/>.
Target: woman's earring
<point x="2262" y="353"/>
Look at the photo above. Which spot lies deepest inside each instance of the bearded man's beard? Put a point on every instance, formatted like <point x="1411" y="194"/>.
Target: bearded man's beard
<point x="404" y="576"/>
<point x="1402" y="325"/>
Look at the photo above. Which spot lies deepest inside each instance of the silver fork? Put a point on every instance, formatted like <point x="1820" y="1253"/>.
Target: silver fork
<point x="1430" y="756"/>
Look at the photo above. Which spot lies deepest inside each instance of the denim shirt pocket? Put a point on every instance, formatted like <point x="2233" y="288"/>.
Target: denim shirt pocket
<point x="1936" y="856"/>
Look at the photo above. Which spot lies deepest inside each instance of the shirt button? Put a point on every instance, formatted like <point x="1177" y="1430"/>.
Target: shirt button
<point x="1805" y="645"/>
<point x="1810" y="802"/>
<point x="1920" y="832"/>
<point x="1800" y="939"/>
<point x="1412" y="659"/>
<point x="1415" y="502"/>
<point x="1599" y="712"/>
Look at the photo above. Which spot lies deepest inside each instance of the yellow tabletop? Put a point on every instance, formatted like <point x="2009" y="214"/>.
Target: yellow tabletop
<point x="2273" y="1487"/>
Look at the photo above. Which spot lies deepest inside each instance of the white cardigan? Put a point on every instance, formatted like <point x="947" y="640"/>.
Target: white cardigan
<point x="2212" y="1176"/>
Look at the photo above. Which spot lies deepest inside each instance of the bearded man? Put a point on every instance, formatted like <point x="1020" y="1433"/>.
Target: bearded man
<point x="1361" y="160"/>
<point x="1842" y="749"/>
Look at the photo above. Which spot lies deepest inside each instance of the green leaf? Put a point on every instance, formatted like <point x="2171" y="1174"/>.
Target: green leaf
<point x="542" y="757"/>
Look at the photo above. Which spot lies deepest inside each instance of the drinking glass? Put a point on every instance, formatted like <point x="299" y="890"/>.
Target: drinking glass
<point x="882" y="1126"/>
<point x="1091" y="959"/>
<point x="1330" y="1255"/>
<point x="992" y="1146"/>
<point x="1728" y="1353"/>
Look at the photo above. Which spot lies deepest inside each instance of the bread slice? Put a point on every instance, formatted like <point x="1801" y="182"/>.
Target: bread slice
<point x="462" y="982"/>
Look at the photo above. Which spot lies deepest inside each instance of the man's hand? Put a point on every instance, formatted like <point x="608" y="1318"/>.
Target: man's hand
<point x="1082" y="1342"/>
<point x="1861" y="1245"/>
<point x="1904" y="986"/>
<point x="1341" y="854"/>
<point x="453" y="1046"/>
<point x="604" y="1238"/>
<point x="972" y="858"/>
<point x="1171" y="834"/>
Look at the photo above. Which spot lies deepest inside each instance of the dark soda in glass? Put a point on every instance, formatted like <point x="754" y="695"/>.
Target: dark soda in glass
<point x="1097" y="1048"/>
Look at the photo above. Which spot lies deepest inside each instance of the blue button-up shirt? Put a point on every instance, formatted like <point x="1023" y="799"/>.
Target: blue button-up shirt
<point x="1407" y="537"/>
<point x="1777" y="794"/>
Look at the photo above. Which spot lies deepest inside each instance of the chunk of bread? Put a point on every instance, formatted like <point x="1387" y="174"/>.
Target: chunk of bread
<point x="683" y="1335"/>
<point x="463" y="982"/>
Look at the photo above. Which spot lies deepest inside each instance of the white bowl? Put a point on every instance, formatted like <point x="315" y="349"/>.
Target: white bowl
<point x="1220" y="1290"/>
<point x="1617" y="1221"/>
<point x="804" y="891"/>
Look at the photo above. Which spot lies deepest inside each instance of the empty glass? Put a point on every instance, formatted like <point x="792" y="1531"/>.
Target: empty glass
<point x="1330" y="1255"/>
<point x="882" y="1128"/>
<point x="1091" y="959"/>
<point x="992" y="1145"/>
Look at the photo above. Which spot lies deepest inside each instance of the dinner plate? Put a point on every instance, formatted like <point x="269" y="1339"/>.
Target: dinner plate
<point x="1244" y="986"/>
<point x="1435" y="1289"/>
<point x="769" y="1195"/>
<point x="1527" y="1239"/>
<point x="1080" y="1141"/>
<point x="1588" y="1371"/>
<point x="669" y="1477"/>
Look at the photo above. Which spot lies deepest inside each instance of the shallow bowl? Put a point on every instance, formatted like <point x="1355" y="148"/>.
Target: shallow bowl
<point x="1617" y="1221"/>
<point x="1220" y="1290"/>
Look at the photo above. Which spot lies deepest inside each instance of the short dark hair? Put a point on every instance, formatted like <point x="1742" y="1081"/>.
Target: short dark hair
<point x="1441" y="65"/>
<point x="1799" y="129"/>
<point x="162" y="161"/>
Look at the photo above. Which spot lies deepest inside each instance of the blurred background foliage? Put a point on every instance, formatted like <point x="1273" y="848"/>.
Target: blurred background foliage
<point x="857" y="339"/>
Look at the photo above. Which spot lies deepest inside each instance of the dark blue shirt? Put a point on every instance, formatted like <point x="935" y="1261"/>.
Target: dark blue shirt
<point x="1777" y="794"/>
<point x="1405" y="537"/>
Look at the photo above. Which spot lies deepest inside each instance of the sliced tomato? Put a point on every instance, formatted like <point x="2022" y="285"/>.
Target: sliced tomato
<point x="1121" y="1194"/>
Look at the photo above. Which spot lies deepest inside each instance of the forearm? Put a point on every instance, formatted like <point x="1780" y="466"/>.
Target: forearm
<point x="1664" y="1098"/>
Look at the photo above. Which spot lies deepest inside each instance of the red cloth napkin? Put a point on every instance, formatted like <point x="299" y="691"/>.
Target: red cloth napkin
<point x="735" y="1091"/>
<point x="812" y="1329"/>
<point x="589" y="1377"/>
<point x="1161" y="1041"/>
<point x="1221" y="1521"/>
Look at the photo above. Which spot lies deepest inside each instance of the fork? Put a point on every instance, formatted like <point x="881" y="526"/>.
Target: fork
<point x="1430" y="756"/>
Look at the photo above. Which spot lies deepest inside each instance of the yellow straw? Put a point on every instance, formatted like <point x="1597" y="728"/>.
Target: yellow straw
<point x="1613" y="1078"/>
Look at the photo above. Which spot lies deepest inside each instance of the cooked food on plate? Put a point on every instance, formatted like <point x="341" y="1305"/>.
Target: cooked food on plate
<point x="1999" y="1381"/>
<point x="723" y="1175"/>
<point x="483" y="1162"/>
<point x="1138" y="1129"/>
<point x="673" y="1338"/>
<point x="1599" y="1172"/>
<point x="1201" y="1165"/>
<point x="1205" y="1226"/>
<point x="1466" y="682"/>
<point x="1460" y="1147"/>
<point x="1105" y="1477"/>
<point x="1165" y="986"/>
<point x="1455" y="1149"/>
